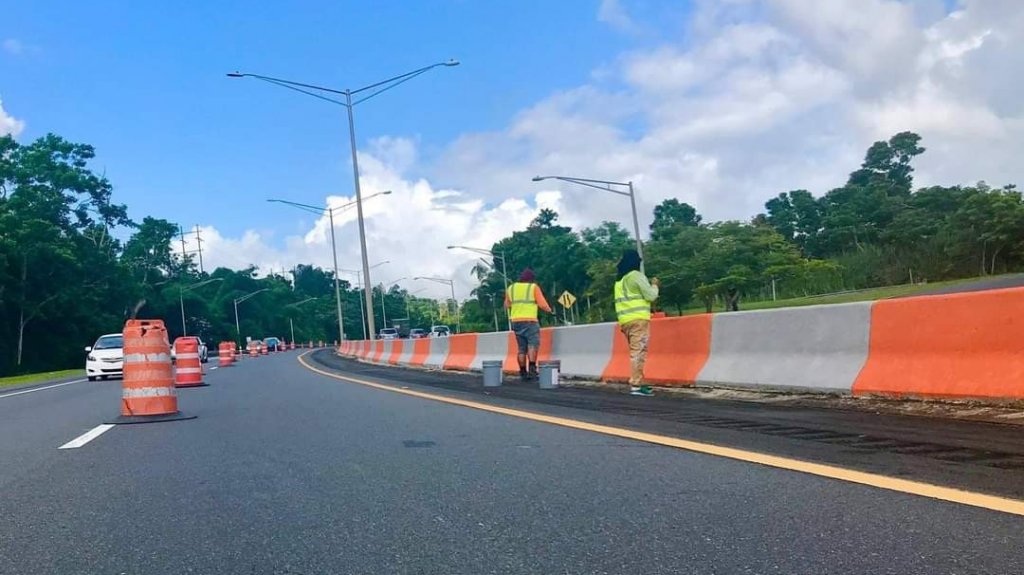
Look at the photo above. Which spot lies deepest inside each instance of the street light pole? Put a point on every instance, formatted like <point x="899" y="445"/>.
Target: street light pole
<point x="376" y="88"/>
<point x="451" y="283"/>
<point x="237" y="301"/>
<point x="334" y="248"/>
<point x="497" y="256"/>
<point x="181" y="300"/>
<point x="606" y="185"/>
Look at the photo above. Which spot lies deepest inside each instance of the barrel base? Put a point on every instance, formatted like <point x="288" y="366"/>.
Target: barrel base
<point x="133" y="419"/>
<point x="204" y="384"/>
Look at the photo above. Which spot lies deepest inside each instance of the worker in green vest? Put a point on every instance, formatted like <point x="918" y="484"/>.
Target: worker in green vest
<point x="522" y="300"/>
<point x="633" y="297"/>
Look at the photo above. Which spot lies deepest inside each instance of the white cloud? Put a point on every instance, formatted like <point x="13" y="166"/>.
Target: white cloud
<point x="758" y="97"/>
<point x="13" y="46"/>
<point x="612" y="13"/>
<point x="9" y="124"/>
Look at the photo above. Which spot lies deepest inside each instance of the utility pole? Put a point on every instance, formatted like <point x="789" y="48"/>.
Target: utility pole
<point x="184" y="251"/>
<point x="199" y="244"/>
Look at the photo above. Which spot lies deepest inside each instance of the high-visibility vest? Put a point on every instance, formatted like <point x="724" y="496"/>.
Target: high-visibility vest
<point x="524" y="301"/>
<point x="629" y="306"/>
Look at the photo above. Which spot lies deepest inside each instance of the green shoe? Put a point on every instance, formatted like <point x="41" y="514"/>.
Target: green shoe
<point x="644" y="390"/>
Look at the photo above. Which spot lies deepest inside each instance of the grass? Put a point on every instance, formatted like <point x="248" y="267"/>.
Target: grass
<point x="34" y="377"/>
<point x="842" y="297"/>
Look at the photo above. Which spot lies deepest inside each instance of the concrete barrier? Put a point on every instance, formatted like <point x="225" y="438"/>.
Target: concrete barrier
<point x="583" y="350"/>
<point x="461" y="351"/>
<point x="967" y="345"/>
<point x="395" y="352"/>
<point x="820" y="348"/>
<point x="490" y="347"/>
<point x="421" y="351"/>
<point x="405" y="358"/>
<point x="678" y="349"/>
<point x="438" y="352"/>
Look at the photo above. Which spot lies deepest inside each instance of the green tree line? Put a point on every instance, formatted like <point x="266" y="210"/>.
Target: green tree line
<point x="66" y="278"/>
<point x="875" y="230"/>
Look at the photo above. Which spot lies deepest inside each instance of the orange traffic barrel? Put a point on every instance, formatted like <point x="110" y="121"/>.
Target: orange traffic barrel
<point x="320" y="343"/>
<point x="224" y="356"/>
<point x="147" y="391"/>
<point x="253" y="352"/>
<point x="291" y="345"/>
<point x="263" y="349"/>
<point x="188" y="370"/>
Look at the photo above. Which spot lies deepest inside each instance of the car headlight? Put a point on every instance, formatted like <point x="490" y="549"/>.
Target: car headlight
<point x="91" y="357"/>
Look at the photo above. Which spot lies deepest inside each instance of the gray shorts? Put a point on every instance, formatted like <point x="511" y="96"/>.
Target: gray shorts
<point x="527" y="335"/>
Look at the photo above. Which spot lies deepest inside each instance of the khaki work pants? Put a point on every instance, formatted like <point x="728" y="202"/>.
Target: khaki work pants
<point x="638" y="333"/>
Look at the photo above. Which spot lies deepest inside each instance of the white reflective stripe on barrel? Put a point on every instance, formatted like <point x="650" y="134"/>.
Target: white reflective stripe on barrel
<point x="134" y="392"/>
<point x="188" y="355"/>
<point x="189" y="370"/>
<point x="146" y="357"/>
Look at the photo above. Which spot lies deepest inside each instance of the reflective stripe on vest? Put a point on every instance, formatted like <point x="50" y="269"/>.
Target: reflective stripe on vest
<point x="524" y="301"/>
<point x="630" y="307"/>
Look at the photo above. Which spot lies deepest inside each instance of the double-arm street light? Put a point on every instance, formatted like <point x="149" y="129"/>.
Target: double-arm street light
<point x="497" y="256"/>
<point x="334" y="247"/>
<point x="451" y="284"/>
<point x="181" y="299"/>
<point x="239" y="300"/>
<point x="364" y="94"/>
<point x="607" y="186"/>
<point x="359" y="278"/>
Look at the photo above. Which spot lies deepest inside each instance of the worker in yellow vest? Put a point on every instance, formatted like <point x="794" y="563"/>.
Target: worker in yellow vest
<point x="633" y="297"/>
<point x="522" y="300"/>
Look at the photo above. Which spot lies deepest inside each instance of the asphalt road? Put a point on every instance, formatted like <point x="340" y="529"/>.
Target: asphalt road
<point x="289" y="471"/>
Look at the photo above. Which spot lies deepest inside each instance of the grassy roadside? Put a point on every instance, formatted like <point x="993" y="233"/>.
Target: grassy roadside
<point x="34" y="377"/>
<point x="845" y="297"/>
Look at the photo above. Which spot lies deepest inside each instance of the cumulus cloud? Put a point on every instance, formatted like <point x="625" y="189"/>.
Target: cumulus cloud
<point x="612" y="13"/>
<point x="757" y="97"/>
<point x="9" y="124"/>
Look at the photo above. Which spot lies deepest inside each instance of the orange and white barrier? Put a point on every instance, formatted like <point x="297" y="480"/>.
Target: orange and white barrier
<point x="291" y="345"/>
<point x="147" y="391"/>
<point x="263" y="349"/>
<point x="224" y="354"/>
<point x="188" y="370"/>
<point x="968" y="345"/>
<point x="253" y="349"/>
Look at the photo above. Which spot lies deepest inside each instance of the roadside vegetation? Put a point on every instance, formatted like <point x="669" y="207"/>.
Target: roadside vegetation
<point x="66" y="277"/>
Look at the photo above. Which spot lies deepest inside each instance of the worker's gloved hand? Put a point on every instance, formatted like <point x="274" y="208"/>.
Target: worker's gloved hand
<point x="656" y="282"/>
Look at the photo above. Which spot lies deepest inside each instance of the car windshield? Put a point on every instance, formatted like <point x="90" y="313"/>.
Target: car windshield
<point x="109" y="342"/>
<point x="389" y="330"/>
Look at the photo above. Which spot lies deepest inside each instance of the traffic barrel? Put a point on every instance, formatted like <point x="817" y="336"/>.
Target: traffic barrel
<point x="224" y="354"/>
<point x="310" y="344"/>
<point x="291" y="345"/>
<point x="263" y="350"/>
<point x="320" y="343"/>
<point x="188" y="371"/>
<point x="147" y="389"/>
<point x="253" y="352"/>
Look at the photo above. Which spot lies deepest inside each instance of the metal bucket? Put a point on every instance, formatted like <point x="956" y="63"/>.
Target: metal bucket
<point x="549" y="371"/>
<point x="492" y="373"/>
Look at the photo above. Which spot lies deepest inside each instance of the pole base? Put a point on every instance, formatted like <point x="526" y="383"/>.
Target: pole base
<point x="133" y="419"/>
<point x="193" y="385"/>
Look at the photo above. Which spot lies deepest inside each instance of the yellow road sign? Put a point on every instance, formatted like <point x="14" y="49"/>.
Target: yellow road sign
<point x="566" y="299"/>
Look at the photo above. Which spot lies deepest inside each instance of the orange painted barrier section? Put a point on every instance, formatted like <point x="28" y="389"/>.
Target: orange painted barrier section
<point x="420" y="351"/>
<point x="378" y="350"/>
<point x="461" y="351"/>
<point x="396" y="351"/>
<point x="968" y="345"/>
<point x="148" y="385"/>
<point x="678" y="349"/>
<point x="543" y="353"/>
<point x="188" y="370"/>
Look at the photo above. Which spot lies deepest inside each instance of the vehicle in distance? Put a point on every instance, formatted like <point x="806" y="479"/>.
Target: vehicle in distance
<point x="389" y="333"/>
<point x="440" y="331"/>
<point x="105" y="357"/>
<point x="272" y="343"/>
<point x="203" y="357"/>
<point x="417" y="333"/>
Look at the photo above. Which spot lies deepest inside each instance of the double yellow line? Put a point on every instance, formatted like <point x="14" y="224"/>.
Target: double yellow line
<point x="995" y="503"/>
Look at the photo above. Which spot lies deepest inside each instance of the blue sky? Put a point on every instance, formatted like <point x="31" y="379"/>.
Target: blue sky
<point x="144" y="83"/>
<point x="720" y="104"/>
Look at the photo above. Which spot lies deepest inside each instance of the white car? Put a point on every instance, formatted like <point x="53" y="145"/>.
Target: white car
<point x="440" y="331"/>
<point x="203" y="353"/>
<point x="389" y="333"/>
<point x="106" y="357"/>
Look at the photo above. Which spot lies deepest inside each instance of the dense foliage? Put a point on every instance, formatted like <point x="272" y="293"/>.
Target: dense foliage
<point x="65" y="277"/>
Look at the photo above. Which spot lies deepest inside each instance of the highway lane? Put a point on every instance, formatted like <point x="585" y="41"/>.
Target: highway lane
<point x="288" y="471"/>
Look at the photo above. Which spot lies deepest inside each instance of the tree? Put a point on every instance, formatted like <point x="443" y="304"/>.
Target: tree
<point x="670" y="215"/>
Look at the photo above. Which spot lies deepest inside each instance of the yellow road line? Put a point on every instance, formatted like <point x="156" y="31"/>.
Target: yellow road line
<point x="971" y="498"/>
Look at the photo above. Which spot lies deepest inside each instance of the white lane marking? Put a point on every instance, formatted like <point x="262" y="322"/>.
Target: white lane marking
<point x="13" y="393"/>
<point x="87" y="436"/>
<point x="213" y="368"/>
